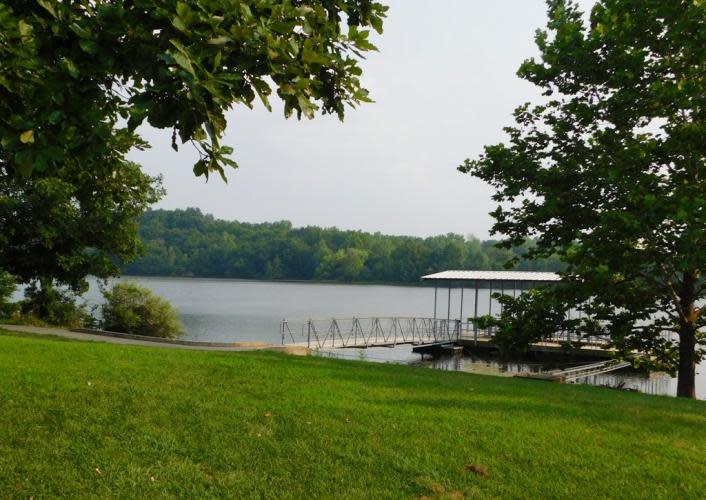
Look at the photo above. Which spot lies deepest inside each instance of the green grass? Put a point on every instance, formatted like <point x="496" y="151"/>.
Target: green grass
<point x="100" y="420"/>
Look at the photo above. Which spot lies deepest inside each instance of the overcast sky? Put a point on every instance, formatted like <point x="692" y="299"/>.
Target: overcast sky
<point x="444" y="84"/>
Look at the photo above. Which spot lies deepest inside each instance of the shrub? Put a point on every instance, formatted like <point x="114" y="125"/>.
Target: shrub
<point x="130" y="308"/>
<point x="7" y="288"/>
<point x="53" y="306"/>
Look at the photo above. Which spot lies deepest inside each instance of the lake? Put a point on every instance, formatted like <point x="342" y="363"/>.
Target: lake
<point x="233" y="310"/>
<point x="237" y="310"/>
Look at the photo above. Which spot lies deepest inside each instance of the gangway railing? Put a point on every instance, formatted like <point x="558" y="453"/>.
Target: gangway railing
<point x="579" y="372"/>
<point x="368" y="332"/>
<point x="391" y="331"/>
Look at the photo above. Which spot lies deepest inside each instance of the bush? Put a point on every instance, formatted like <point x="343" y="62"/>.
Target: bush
<point x="54" y="306"/>
<point x="130" y="308"/>
<point x="8" y="285"/>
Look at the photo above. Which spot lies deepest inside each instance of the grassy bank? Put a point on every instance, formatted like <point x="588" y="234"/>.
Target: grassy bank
<point x="88" y="419"/>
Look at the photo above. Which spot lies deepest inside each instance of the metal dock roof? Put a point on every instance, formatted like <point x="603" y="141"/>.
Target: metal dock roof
<point x="492" y="276"/>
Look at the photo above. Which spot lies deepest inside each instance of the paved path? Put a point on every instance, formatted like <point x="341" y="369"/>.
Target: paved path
<point x="92" y="337"/>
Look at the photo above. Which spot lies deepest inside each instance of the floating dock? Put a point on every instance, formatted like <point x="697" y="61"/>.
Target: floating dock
<point x="439" y="349"/>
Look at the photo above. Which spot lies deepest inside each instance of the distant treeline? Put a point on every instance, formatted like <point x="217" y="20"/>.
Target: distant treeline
<point x="189" y="243"/>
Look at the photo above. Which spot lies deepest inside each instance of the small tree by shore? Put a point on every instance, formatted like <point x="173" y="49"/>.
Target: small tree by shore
<point x="50" y="305"/>
<point x="130" y="308"/>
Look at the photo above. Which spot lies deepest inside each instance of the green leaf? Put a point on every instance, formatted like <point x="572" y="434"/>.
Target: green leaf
<point x="376" y="23"/>
<point x="183" y="61"/>
<point x="312" y="56"/>
<point x="55" y="116"/>
<point x="183" y="9"/>
<point x="80" y="31"/>
<point x="70" y="67"/>
<point x="219" y="40"/>
<point x="48" y="5"/>
<point x="40" y="164"/>
<point x="88" y="46"/>
<point x="211" y="132"/>
<point x="201" y="168"/>
<point x="24" y="160"/>
<point x="306" y="107"/>
<point x="24" y="28"/>
<point x="223" y="175"/>
<point x="179" y="24"/>
<point x="8" y="141"/>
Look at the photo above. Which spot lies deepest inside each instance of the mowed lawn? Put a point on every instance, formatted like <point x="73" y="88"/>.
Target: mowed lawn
<point x="80" y="419"/>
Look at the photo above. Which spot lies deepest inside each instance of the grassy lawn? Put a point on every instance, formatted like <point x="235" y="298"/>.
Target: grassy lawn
<point x="99" y="420"/>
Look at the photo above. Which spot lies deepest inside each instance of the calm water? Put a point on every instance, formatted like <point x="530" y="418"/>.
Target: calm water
<point x="235" y="310"/>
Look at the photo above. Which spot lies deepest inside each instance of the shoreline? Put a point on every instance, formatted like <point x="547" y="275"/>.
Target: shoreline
<point x="421" y="284"/>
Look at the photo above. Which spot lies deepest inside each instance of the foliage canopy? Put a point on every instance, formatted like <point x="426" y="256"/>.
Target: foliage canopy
<point x="75" y="223"/>
<point x="189" y="243"/>
<point x="73" y="75"/>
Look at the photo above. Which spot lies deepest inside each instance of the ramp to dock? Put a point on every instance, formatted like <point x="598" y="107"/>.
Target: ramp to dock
<point x="577" y="372"/>
<point x="368" y="332"/>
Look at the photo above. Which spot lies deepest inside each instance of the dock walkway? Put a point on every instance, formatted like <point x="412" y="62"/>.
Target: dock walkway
<point x="362" y="333"/>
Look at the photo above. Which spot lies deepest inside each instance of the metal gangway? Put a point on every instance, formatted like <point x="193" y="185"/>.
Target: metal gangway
<point x="581" y="371"/>
<point x="368" y="332"/>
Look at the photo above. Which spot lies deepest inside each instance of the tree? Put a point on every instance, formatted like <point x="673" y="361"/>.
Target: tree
<point x="608" y="171"/>
<point x="78" y="222"/>
<point x="75" y="74"/>
<point x="345" y="264"/>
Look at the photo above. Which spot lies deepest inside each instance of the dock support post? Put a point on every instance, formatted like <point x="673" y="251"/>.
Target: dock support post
<point x="448" y="312"/>
<point x="490" y="298"/>
<point x="490" y="302"/>
<point x="475" y="315"/>
<point x="460" y="313"/>
<point x="502" y="292"/>
<point x="308" y="334"/>
<point x="436" y="289"/>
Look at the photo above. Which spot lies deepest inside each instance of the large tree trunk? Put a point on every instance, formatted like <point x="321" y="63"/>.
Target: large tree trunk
<point x="44" y="298"/>
<point x="686" y="381"/>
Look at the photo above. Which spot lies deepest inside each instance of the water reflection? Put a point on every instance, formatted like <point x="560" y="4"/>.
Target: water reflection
<point x="655" y="383"/>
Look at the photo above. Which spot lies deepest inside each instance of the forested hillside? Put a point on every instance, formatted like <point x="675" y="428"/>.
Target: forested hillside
<point x="190" y="243"/>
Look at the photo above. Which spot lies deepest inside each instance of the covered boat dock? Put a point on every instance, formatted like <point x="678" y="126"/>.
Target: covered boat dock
<point x="505" y="282"/>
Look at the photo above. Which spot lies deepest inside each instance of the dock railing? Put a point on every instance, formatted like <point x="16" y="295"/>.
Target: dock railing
<point x="391" y="331"/>
<point x="368" y="332"/>
<point x="471" y="331"/>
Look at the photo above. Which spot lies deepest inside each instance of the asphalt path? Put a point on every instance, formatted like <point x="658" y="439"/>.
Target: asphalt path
<point x="94" y="337"/>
